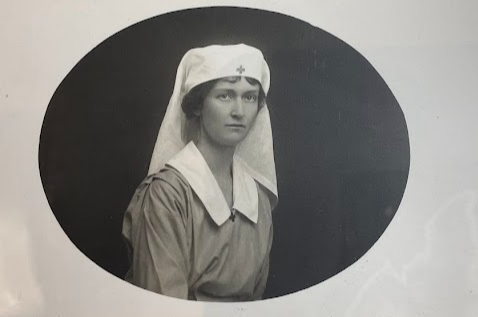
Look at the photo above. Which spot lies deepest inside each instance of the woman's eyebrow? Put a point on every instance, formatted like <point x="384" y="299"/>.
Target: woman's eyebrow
<point x="256" y="92"/>
<point x="219" y="89"/>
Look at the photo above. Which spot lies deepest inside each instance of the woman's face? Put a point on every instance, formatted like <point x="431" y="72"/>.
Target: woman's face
<point x="229" y="111"/>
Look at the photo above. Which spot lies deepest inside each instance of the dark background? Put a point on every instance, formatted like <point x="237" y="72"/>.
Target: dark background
<point x="341" y="142"/>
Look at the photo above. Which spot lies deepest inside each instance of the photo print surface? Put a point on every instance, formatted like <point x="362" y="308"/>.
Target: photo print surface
<point x="341" y="143"/>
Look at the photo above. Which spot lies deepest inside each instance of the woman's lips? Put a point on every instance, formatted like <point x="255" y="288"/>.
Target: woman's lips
<point x="235" y="125"/>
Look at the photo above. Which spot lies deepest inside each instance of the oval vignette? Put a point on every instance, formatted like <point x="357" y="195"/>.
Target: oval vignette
<point x="340" y="138"/>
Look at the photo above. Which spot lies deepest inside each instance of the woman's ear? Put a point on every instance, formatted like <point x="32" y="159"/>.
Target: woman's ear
<point x="197" y="111"/>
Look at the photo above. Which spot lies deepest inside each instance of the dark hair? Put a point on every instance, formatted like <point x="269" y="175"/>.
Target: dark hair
<point x="194" y="99"/>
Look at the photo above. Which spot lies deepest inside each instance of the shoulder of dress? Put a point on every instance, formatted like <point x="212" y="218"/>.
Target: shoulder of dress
<point x="167" y="186"/>
<point x="168" y="176"/>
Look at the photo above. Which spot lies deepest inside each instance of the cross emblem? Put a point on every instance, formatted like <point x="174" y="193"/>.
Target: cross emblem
<point x="241" y="69"/>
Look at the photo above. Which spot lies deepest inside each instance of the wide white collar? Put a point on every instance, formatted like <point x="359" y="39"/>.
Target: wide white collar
<point x="191" y="164"/>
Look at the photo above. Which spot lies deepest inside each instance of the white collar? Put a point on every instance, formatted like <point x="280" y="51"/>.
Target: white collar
<point x="191" y="164"/>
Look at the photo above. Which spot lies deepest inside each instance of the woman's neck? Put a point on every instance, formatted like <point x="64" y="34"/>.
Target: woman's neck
<point x="218" y="158"/>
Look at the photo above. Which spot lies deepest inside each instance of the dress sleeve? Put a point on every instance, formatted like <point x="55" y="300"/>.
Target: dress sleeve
<point x="160" y="260"/>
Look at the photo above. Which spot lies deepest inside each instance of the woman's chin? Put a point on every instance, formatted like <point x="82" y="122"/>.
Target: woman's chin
<point x="230" y="140"/>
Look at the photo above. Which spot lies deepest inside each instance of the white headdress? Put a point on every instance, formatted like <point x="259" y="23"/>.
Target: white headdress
<point x="198" y="66"/>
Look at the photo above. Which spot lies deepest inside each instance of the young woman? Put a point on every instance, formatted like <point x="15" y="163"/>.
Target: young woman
<point x="199" y="226"/>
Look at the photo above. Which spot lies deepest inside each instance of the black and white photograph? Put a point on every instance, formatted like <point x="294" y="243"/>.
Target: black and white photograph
<point x="225" y="159"/>
<point x="203" y="209"/>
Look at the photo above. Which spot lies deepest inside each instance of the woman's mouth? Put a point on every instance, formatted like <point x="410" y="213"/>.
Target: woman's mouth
<point x="235" y="125"/>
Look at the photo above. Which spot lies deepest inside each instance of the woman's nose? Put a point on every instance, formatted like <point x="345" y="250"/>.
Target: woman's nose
<point x="238" y="108"/>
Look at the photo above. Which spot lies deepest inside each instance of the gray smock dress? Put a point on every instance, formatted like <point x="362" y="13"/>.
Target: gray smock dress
<point x="184" y="241"/>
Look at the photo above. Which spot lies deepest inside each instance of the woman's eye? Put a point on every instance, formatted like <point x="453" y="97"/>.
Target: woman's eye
<point x="251" y="98"/>
<point x="224" y="97"/>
